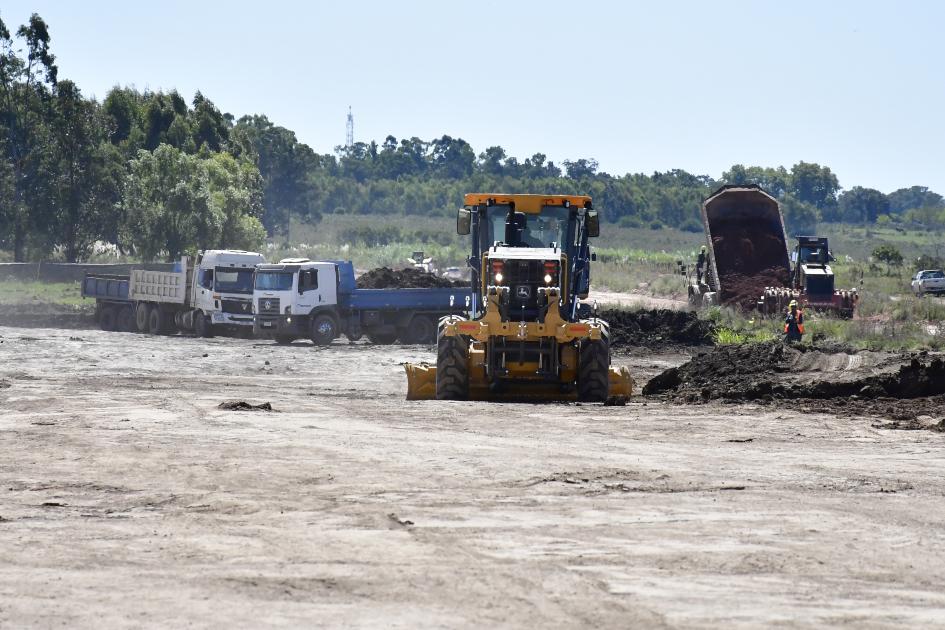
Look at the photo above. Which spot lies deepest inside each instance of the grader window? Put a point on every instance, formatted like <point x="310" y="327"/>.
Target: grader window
<point x="540" y="230"/>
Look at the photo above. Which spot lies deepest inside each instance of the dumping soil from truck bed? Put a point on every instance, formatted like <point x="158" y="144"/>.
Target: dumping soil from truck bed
<point x="656" y="328"/>
<point x="386" y="278"/>
<point x="744" y="290"/>
<point x="748" y="258"/>
<point x="774" y="371"/>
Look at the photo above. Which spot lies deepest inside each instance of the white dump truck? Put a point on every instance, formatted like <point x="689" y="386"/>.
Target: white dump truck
<point x="214" y="294"/>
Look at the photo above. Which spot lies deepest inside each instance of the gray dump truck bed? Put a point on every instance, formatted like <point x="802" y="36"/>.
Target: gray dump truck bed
<point x="746" y="243"/>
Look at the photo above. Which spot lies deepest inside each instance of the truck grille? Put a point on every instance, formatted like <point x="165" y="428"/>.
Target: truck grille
<point x="524" y="278"/>
<point x="268" y="306"/>
<point x="820" y="285"/>
<point x="237" y="307"/>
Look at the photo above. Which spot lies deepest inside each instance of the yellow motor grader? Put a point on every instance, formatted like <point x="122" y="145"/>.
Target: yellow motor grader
<point x="528" y="336"/>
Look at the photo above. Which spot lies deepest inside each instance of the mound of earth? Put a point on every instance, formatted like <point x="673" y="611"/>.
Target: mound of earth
<point x="749" y="256"/>
<point x="386" y="278"/>
<point x="773" y="370"/>
<point x="659" y="327"/>
<point x="47" y="315"/>
<point x="744" y="290"/>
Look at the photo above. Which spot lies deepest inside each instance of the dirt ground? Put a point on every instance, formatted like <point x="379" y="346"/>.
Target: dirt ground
<point x="130" y="498"/>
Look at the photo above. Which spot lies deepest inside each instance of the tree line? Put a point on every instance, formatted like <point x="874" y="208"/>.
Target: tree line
<point x="158" y="176"/>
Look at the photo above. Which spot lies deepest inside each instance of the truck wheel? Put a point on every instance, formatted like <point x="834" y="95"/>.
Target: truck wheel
<point x="202" y="325"/>
<point x="156" y="321"/>
<point x="421" y="329"/>
<point x="324" y="329"/>
<point x="593" y="382"/>
<point x="126" y="319"/>
<point x="142" y="318"/>
<point x="382" y="339"/>
<point x="452" y="367"/>
<point x="108" y="320"/>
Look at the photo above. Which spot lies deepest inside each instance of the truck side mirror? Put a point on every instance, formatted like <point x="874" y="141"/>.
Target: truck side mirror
<point x="463" y="221"/>
<point x="593" y="223"/>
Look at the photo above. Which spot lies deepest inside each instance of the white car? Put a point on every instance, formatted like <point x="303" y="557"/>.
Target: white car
<point x="928" y="281"/>
<point x="455" y="273"/>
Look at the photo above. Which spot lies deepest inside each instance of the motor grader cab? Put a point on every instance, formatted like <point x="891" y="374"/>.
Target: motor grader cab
<point x="527" y="335"/>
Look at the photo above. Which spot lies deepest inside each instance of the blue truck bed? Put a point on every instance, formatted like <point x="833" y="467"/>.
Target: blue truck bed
<point x="351" y="298"/>
<point x="406" y="299"/>
<point x="105" y="287"/>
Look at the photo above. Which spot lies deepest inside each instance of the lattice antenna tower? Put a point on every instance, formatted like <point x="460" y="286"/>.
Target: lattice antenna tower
<point x="349" y="132"/>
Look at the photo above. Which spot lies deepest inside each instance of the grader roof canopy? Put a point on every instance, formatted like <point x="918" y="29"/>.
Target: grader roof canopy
<point x="529" y="204"/>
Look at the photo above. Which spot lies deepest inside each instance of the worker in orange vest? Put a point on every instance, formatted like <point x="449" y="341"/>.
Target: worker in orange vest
<point x="793" y="323"/>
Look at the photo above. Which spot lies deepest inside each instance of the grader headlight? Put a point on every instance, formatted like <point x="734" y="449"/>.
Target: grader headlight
<point x="498" y="271"/>
<point x="551" y="272"/>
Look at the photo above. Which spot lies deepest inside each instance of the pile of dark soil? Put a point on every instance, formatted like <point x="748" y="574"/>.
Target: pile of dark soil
<point x="48" y="315"/>
<point x="749" y="257"/>
<point x="653" y="328"/>
<point x="242" y="405"/>
<point x="744" y="291"/>
<point x="762" y="371"/>
<point x="386" y="278"/>
<point x="904" y="414"/>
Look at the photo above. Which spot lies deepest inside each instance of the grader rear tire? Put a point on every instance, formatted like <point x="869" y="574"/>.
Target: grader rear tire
<point x="452" y="367"/>
<point x="593" y="383"/>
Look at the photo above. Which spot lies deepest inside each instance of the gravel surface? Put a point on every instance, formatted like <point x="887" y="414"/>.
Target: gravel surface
<point x="130" y="498"/>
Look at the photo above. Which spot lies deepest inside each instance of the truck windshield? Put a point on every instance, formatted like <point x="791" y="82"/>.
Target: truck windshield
<point x="273" y="280"/>
<point x="541" y="230"/>
<point x="811" y="254"/>
<point x="229" y="280"/>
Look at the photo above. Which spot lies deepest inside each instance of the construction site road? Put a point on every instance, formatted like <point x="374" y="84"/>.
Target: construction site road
<point x="131" y="498"/>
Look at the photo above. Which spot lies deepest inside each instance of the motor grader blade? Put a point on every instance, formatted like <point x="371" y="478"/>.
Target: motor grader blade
<point x="621" y="383"/>
<point x="421" y="381"/>
<point x="421" y="385"/>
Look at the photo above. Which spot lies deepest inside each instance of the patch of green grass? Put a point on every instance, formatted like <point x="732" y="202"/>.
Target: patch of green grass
<point x="16" y="292"/>
<point x="858" y="242"/>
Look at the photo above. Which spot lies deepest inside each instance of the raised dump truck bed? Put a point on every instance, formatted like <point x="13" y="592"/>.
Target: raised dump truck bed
<point x="746" y="246"/>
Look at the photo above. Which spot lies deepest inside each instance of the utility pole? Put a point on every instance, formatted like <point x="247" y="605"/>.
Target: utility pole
<point x="349" y="135"/>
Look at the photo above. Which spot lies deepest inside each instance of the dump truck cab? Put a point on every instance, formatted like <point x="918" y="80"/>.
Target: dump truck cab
<point x="524" y="337"/>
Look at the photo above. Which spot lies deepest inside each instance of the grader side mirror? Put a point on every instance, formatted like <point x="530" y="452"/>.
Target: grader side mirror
<point x="463" y="221"/>
<point x="593" y="223"/>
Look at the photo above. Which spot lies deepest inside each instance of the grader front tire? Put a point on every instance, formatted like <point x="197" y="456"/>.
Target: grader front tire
<point x="452" y="368"/>
<point x="593" y="382"/>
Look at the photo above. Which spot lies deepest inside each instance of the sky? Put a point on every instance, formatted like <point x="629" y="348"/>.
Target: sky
<point x="858" y="86"/>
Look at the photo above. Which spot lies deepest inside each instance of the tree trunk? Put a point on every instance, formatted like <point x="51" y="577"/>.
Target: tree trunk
<point x="19" y="244"/>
